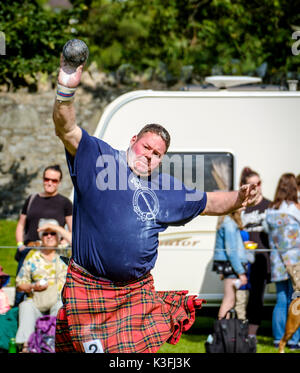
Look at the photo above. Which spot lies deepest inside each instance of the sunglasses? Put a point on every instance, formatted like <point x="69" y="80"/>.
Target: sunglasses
<point x="47" y="233"/>
<point x="54" y="181"/>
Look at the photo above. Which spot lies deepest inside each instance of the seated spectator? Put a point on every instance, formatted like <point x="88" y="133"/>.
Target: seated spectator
<point x="42" y="273"/>
<point x="4" y="301"/>
<point x="47" y="224"/>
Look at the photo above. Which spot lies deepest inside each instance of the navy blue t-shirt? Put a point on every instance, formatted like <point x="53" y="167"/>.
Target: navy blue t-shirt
<point x="117" y="215"/>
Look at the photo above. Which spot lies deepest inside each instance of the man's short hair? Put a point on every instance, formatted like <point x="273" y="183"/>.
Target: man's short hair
<point x="157" y="129"/>
<point x="55" y="167"/>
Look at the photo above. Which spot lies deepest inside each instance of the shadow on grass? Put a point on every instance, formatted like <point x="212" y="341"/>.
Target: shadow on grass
<point x="206" y="317"/>
<point x="203" y="326"/>
<point x="194" y="339"/>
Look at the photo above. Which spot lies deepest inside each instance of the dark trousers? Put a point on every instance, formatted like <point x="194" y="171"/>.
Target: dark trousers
<point x="259" y="277"/>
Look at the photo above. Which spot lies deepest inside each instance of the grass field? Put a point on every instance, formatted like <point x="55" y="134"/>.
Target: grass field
<point x="191" y="342"/>
<point x="7" y="238"/>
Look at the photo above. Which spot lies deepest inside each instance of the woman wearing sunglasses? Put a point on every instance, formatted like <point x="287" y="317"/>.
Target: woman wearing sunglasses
<point x="42" y="271"/>
<point x="253" y="218"/>
<point x="48" y="204"/>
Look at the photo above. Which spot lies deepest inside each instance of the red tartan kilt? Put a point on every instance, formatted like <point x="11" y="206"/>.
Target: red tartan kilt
<point x="130" y="317"/>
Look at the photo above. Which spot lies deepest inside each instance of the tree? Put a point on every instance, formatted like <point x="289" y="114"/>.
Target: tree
<point x="238" y="36"/>
<point x="208" y="36"/>
<point x="214" y="36"/>
<point x="34" y="36"/>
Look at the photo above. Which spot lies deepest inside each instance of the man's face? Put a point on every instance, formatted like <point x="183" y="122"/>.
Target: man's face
<point x="146" y="153"/>
<point x="51" y="181"/>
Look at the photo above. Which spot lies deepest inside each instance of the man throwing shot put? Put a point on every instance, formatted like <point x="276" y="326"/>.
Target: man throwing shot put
<point x="120" y="206"/>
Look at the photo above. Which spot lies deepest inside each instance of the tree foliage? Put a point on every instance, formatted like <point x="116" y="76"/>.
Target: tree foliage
<point x="209" y="36"/>
<point x="34" y="36"/>
<point x="214" y="36"/>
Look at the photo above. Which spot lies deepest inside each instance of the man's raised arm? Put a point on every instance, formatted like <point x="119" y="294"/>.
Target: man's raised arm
<point x="222" y="203"/>
<point x="64" y="116"/>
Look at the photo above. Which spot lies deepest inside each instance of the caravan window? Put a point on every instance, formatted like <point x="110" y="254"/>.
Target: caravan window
<point x="208" y="171"/>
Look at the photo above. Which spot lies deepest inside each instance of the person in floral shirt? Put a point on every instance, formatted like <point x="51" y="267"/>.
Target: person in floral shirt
<point x="42" y="268"/>
<point x="283" y="225"/>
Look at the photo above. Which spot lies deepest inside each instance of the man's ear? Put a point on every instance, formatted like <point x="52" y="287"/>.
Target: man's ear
<point x="133" y="140"/>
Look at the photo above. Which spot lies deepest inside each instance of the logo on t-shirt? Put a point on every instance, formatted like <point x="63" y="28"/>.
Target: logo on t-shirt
<point x="145" y="202"/>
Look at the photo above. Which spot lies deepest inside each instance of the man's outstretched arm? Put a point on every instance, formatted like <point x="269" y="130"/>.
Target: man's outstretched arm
<point x="64" y="116"/>
<point x="222" y="203"/>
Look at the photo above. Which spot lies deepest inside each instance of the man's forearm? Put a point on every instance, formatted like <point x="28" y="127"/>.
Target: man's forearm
<point x="66" y="129"/>
<point x="64" y="117"/>
<point x="65" y="234"/>
<point x="19" y="233"/>
<point x="222" y="203"/>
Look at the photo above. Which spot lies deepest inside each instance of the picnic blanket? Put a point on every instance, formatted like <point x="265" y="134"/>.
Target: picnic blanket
<point x="120" y="318"/>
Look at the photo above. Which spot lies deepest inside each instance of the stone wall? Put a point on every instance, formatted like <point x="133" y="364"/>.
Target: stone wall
<point x="28" y="142"/>
<point x="27" y="139"/>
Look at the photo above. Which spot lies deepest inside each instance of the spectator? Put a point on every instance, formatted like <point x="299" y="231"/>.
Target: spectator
<point x="242" y="294"/>
<point x="46" y="224"/>
<point x="298" y="186"/>
<point x="41" y="270"/>
<point x="48" y="205"/>
<point x="4" y="301"/>
<point x="283" y="222"/>
<point x="230" y="260"/>
<point x="260" y="270"/>
<point x="8" y="315"/>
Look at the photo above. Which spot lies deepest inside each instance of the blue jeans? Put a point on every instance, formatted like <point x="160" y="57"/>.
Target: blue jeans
<point x="284" y="291"/>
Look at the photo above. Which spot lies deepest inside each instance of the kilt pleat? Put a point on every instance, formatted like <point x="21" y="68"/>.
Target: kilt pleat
<point x="125" y="317"/>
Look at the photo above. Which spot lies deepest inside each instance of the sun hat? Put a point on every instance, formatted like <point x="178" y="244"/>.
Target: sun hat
<point x="43" y="222"/>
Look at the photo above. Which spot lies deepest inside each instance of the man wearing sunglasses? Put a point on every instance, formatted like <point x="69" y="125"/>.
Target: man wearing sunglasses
<point x="48" y="204"/>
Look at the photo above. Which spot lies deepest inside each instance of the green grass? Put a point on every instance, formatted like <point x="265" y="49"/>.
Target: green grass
<point x="195" y="344"/>
<point x="193" y="341"/>
<point x="7" y="238"/>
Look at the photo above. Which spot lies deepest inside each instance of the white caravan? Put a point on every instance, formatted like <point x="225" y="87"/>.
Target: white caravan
<point x="231" y="129"/>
